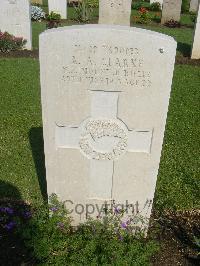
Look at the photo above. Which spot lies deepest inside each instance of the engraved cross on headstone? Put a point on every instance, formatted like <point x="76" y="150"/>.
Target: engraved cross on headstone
<point x="103" y="138"/>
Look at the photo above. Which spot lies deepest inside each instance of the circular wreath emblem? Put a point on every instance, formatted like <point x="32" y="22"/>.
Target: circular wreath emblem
<point x="96" y="130"/>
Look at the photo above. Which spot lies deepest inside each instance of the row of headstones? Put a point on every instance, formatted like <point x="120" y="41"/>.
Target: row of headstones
<point x="193" y="4"/>
<point x="16" y="19"/>
<point x="171" y="8"/>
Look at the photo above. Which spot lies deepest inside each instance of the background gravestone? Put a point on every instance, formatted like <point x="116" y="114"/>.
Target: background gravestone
<point x="159" y="1"/>
<point x="115" y="12"/>
<point x="104" y="113"/>
<point x="196" y="41"/>
<point x="171" y="10"/>
<point x="15" y="18"/>
<point x="194" y="5"/>
<point x="59" y="7"/>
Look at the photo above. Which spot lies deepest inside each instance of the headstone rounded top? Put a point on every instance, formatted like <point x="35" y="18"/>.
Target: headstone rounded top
<point x="99" y="27"/>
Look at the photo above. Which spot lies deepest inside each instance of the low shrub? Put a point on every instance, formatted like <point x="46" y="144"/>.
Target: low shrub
<point x="143" y="17"/>
<point x="37" y="14"/>
<point x="9" y="42"/>
<point x="172" y="24"/>
<point x="155" y="6"/>
<point x="53" y="20"/>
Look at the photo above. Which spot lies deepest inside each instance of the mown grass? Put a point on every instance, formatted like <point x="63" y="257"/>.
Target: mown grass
<point x="20" y="112"/>
<point x="178" y="184"/>
<point x="22" y="162"/>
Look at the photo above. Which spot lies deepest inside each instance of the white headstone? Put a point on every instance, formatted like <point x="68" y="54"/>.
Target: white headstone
<point x="59" y="7"/>
<point x="116" y="12"/>
<point x="104" y="113"/>
<point x="159" y="1"/>
<point x="171" y="10"/>
<point x="15" y="18"/>
<point x="194" y="5"/>
<point x="196" y="41"/>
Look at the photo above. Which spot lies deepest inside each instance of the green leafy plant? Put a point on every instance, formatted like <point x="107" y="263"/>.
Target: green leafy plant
<point x="104" y="241"/>
<point x="83" y="11"/>
<point x="9" y="42"/>
<point x="155" y="6"/>
<point x="54" y="20"/>
<point x="93" y="3"/>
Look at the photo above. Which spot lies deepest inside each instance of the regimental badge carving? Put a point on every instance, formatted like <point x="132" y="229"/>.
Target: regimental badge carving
<point x="111" y="135"/>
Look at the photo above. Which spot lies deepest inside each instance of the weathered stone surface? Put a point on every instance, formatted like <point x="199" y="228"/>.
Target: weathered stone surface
<point x="104" y="114"/>
<point x="58" y="6"/>
<point x="15" y="18"/>
<point x="171" y="10"/>
<point x="196" y="41"/>
<point x="194" y="5"/>
<point x="116" y="12"/>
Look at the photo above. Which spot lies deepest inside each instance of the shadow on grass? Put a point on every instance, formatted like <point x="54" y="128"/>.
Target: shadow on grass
<point x="13" y="211"/>
<point x="184" y="49"/>
<point x="8" y="191"/>
<point x="37" y="147"/>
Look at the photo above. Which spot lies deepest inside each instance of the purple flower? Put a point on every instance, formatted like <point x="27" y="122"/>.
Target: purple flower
<point x="54" y="209"/>
<point x="120" y="238"/>
<point x="10" y="225"/>
<point x="27" y="214"/>
<point x="124" y="225"/>
<point x="60" y="225"/>
<point x="117" y="210"/>
<point x="7" y="210"/>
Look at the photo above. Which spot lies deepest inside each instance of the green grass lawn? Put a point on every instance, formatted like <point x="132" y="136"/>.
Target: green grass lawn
<point x="22" y="162"/>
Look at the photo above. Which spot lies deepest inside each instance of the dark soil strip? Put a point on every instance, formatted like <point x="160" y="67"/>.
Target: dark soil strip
<point x="18" y="54"/>
<point x="180" y="60"/>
